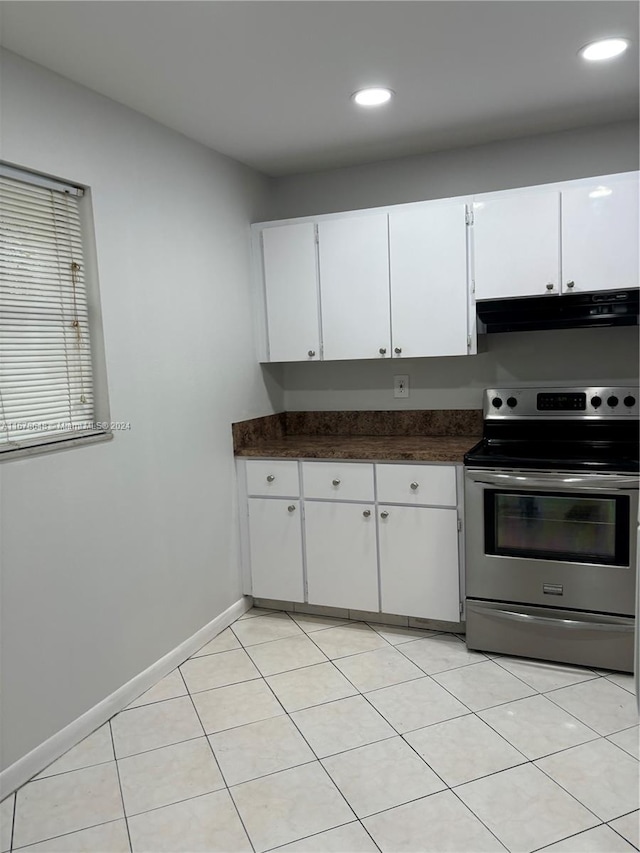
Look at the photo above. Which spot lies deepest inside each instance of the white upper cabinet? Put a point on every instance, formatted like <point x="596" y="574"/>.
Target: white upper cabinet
<point x="600" y="235"/>
<point x="291" y="292"/>
<point x="516" y="245"/>
<point x="428" y="267"/>
<point x="354" y="287"/>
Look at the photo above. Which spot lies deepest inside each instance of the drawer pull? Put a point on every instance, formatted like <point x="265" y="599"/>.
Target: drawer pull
<point x="291" y="508"/>
<point x="414" y="486"/>
<point x="336" y="482"/>
<point x="366" y="513"/>
<point x="384" y="514"/>
<point x="270" y="478"/>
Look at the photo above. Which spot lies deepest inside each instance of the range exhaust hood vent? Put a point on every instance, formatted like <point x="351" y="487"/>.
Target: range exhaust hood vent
<point x="576" y="311"/>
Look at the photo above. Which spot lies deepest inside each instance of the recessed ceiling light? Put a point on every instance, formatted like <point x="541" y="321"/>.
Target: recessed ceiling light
<point x="604" y="49"/>
<point x="372" y="97"/>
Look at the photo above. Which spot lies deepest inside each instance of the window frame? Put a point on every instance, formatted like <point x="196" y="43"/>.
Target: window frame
<point x="101" y="413"/>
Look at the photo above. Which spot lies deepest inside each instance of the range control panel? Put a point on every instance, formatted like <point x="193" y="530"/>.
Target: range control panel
<point x="549" y="403"/>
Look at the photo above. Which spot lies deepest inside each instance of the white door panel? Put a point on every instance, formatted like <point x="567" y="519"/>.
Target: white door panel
<point x="516" y="242"/>
<point x="291" y="292"/>
<point x="342" y="568"/>
<point x="419" y="562"/>
<point x="600" y="236"/>
<point x="428" y="269"/>
<point x="354" y="287"/>
<point x="275" y="544"/>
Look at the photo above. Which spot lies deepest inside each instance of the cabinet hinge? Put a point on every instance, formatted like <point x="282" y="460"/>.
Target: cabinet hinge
<point x="461" y="607"/>
<point x="473" y="286"/>
<point x="459" y="524"/>
<point x="315" y="233"/>
<point x="468" y="341"/>
<point x="468" y="217"/>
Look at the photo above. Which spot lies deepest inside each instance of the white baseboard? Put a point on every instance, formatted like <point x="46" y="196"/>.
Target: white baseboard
<point x="34" y="762"/>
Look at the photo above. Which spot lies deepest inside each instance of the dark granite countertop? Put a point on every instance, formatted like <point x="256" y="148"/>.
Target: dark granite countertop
<point x="419" y="436"/>
<point x="432" y="448"/>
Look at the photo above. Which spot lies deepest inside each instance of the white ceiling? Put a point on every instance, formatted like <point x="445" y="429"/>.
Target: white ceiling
<point x="268" y="83"/>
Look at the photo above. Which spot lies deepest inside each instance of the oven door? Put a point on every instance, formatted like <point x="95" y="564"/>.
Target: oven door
<point x="554" y="539"/>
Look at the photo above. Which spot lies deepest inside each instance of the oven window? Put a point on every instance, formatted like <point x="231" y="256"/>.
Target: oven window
<point x="589" y="529"/>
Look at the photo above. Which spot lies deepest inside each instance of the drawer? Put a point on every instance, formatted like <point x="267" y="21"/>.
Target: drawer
<point x="346" y="481"/>
<point x="429" y="485"/>
<point x="278" y="478"/>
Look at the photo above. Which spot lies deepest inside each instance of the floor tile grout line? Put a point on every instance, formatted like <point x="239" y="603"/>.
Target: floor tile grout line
<point x="617" y="831"/>
<point x="13" y="817"/>
<point x="573" y="796"/>
<point x="477" y="817"/>
<point x="517" y="748"/>
<point x="600" y="734"/>
<point x="568" y="837"/>
<point x="65" y="834"/>
<point x="222" y="776"/>
<point x="312" y="835"/>
<point x="39" y="778"/>
<point x="593" y="677"/>
<point x="573" y="716"/>
<point x="124" y="810"/>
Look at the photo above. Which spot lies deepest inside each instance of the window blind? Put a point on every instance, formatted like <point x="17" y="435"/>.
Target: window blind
<point x="46" y="388"/>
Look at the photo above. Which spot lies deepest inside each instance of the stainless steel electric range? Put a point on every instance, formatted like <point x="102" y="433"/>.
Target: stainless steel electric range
<point x="551" y="507"/>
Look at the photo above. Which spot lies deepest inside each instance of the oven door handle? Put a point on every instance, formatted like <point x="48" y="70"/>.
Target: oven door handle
<point x="573" y="624"/>
<point x="598" y="482"/>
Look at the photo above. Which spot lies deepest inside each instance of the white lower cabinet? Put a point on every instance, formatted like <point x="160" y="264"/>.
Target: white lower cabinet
<point x="388" y="543"/>
<point x="419" y="562"/>
<point x="342" y="563"/>
<point x="275" y="547"/>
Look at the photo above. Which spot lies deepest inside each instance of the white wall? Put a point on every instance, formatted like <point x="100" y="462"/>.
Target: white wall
<point x="565" y="156"/>
<point x="576" y="356"/>
<point x="114" y="554"/>
<point x="571" y="357"/>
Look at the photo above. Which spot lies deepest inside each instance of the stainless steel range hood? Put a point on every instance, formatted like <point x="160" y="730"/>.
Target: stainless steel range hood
<point x="575" y="311"/>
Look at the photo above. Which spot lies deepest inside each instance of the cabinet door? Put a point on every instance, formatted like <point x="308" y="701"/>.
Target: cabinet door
<point x="275" y="543"/>
<point x="291" y="292"/>
<point x="600" y="235"/>
<point x="516" y="245"/>
<point x="354" y="287"/>
<point x="428" y="268"/>
<point x="419" y="562"/>
<point x="342" y="565"/>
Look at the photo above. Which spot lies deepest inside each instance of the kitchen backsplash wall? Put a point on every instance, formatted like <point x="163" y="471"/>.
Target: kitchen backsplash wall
<point x="568" y="357"/>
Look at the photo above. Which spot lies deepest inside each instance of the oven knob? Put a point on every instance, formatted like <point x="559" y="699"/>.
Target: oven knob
<point x="629" y="401"/>
<point x="497" y="402"/>
<point x="512" y="402"/>
<point x="596" y="402"/>
<point x="612" y="401"/>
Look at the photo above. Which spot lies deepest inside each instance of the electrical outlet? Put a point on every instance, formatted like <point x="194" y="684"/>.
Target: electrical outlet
<point x="401" y="386"/>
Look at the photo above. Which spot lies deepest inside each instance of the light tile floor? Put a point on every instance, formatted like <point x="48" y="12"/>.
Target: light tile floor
<point x="316" y="735"/>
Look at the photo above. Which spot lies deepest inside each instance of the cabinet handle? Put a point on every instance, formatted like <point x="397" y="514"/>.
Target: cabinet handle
<point x="571" y="284"/>
<point x="382" y="350"/>
<point x="550" y="286"/>
<point x="414" y="486"/>
<point x="397" y="350"/>
<point x="270" y="478"/>
<point x="336" y="482"/>
<point x="367" y="513"/>
<point x="291" y="507"/>
<point x="384" y="514"/>
<point x="311" y="353"/>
